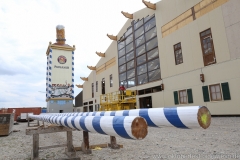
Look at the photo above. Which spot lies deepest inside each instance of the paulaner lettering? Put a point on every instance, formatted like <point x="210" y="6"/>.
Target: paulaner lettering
<point x="61" y="67"/>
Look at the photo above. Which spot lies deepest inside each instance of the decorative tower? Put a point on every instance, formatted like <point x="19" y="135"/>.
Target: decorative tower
<point x="60" y="74"/>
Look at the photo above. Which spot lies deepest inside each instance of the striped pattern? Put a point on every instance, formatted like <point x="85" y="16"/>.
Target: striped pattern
<point x="48" y="75"/>
<point x="109" y="125"/>
<point x="47" y="80"/>
<point x="180" y="117"/>
<point x="72" y="74"/>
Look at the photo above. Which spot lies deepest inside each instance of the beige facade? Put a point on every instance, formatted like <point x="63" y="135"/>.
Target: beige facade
<point x="183" y="21"/>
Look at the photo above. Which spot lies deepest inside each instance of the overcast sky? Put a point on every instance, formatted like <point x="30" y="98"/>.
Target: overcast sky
<point x="27" y="27"/>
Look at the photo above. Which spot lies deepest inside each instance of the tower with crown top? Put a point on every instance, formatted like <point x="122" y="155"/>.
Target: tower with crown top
<point x="60" y="74"/>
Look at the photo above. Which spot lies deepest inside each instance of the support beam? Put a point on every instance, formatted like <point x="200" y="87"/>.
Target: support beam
<point x="180" y="117"/>
<point x="49" y="129"/>
<point x="113" y="143"/>
<point x="85" y="144"/>
<point x="92" y="68"/>
<point x="149" y="5"/>
<point x="100" y="54"/>
<point x="84" y="78"/>
<point x="112" y="37"/>
<point x="127" y="15"/>
<point x="35" y="152"/>
<point x="79" y="86"/>
<point x="129" y="127"/>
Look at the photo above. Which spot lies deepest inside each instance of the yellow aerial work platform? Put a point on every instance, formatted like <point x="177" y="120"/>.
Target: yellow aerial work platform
<point x="118" y="101"/>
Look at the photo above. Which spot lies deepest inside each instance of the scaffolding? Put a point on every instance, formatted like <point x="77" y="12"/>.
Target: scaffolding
<point x="118" y="101"/>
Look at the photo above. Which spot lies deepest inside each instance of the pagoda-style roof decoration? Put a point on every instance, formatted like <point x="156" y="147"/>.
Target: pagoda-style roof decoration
<point x="149" y="5"/>
<point x="112" y="37"/>
<point x="91" y="67"/>
<point x="100" y="54"/>
<point x="79" y="86"/>
<point x="84" y="78"/>
<point x="127" y="15"/>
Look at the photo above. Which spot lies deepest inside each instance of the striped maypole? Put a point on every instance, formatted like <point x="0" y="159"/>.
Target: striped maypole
<point x="180" y="117"/>
<point x="130" y="127"/>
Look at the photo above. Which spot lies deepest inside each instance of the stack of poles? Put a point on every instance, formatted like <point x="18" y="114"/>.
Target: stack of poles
<point x="180" y="117"/>
<point x="129" y="127"/>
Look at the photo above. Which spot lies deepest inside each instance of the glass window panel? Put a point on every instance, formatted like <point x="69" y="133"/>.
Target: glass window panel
<point x="139" y="32"/>
<point x="151" y="44"/>
<point x="212" y="88"/>
<point x="138" y="24"/>
<point x="124" y="83"/>
<point x="140" y="50"/>
<point x="122" y="76"/>
<point x="129" y="47"/>
<point x="122" y="60"/>
<point x="153" y="64"/>
<point x="181" y="94"/>
<point x="130" y="73"/>
<point x="141" y="59"/>
<point x="179" y="45"/>
<point x="142" y="79"/>
<point x="152" y="54"/>
<point x="140" y="41"/>
<point x="121" y="52"/>
<point x="202" y="34"/>
<point x="185" y="99"/>
<point x="130" y="56"/>
<point x="130" y="64"/>
<point x="217" y="88"/>
<point x="129" y="39"/>
<point x="147" y="18"/>
<point x="142" y="69"/>
<point x="175" y="46"/>
<point x="131" y="82"/>
<point x="219" y="96"/>
<point x="150" y="24"/>
<point x="120" y="45"/>
<point x="154" y="75"/>
<point x="122" y="68"/>
<point x="208" y="32"/>
<point x="151" y="33"/>
<point x="181" y="99"/>
<point x="214" y="97"/>
<point x="129" y="31"/>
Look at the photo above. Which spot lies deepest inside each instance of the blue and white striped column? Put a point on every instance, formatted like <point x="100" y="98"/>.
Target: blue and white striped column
<point x="180" y="117"/>
<point x="47" y="79"/>
<point x="130" y="127"/>
<point x="50" y="74"/>
<point x="72" y="74"/>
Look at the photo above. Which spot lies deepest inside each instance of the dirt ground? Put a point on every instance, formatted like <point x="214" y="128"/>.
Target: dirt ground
<point x="220" y="141"/>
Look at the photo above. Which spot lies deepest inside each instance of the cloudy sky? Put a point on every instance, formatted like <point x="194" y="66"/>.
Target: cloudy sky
<point x="27" y="27"/>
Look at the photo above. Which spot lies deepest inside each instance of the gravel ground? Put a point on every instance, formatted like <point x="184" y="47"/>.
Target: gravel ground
<point x="220" y="141"/>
